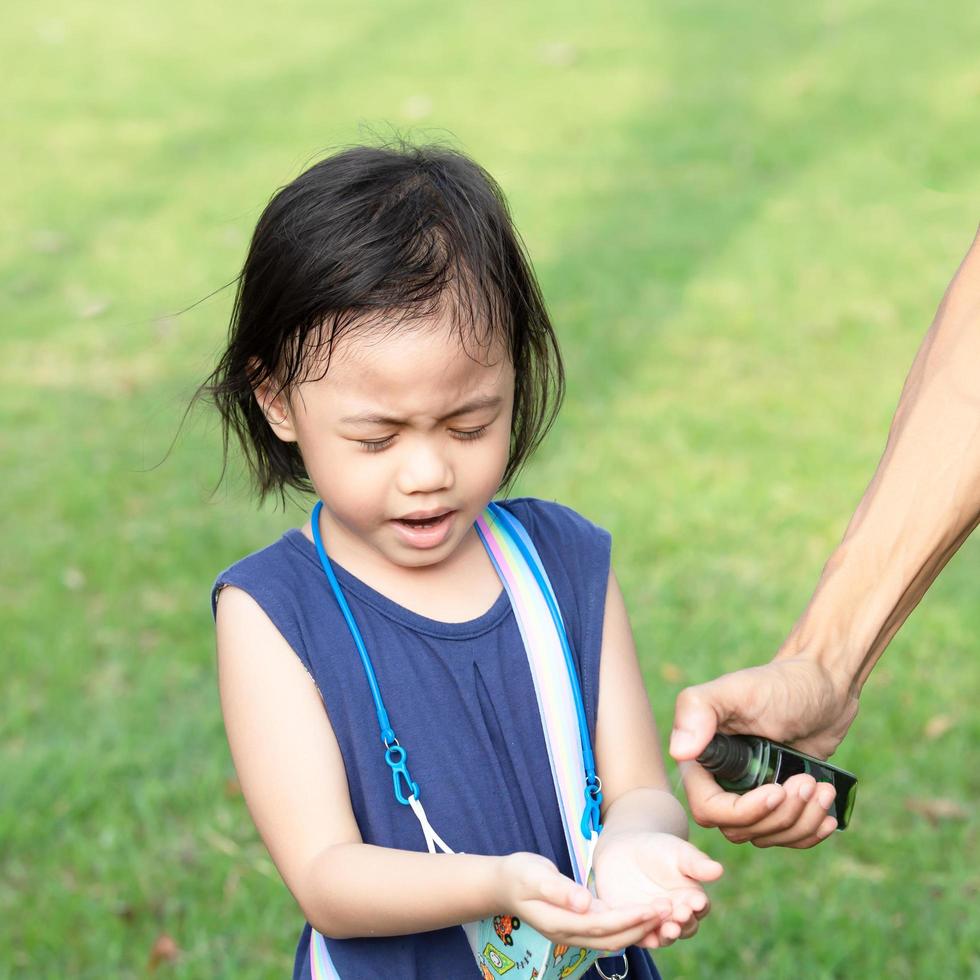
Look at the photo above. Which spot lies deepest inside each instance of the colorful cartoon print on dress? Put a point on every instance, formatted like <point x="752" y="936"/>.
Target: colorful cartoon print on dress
<point x="515" y="950"/>
<point x="569" y="968"/>
<point x="505" y="926"/>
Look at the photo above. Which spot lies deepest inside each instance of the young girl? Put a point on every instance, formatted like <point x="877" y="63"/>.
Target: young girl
<point x="390" y="353"/>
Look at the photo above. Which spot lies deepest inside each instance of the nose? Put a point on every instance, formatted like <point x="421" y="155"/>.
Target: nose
<point x="424" y="469"/>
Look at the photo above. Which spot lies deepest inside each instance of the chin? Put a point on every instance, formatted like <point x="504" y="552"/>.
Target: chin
<point x="412" y="558"/>
<point x="418" y="559"/>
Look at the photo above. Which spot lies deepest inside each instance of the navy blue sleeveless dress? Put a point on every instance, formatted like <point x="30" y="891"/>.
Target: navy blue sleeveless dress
<point x="460" y="698"/>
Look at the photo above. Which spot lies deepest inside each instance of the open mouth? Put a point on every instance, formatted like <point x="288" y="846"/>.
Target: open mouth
<point x="423" y="523"/>
<point x="422" y="530"/>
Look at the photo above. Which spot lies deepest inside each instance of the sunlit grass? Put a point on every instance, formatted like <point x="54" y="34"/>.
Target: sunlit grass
<point x="743" y="220"/>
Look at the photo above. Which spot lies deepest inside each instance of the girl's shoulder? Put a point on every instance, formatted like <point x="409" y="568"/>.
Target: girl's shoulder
<point x="284" y="564"/>
<point x="565" y="539"/>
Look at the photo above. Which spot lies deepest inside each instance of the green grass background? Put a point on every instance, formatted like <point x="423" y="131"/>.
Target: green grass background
<point x="743" y="217"/>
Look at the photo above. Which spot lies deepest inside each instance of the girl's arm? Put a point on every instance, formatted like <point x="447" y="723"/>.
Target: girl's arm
<point x="642" y="854"/>
<point x="294" y="782"/>
<point x="636" y="794"/>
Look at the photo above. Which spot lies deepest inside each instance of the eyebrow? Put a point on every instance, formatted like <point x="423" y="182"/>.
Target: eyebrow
<point x="474" y="405"/>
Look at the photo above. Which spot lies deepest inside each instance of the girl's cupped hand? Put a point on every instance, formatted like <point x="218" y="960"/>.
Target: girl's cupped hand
<point x="534" y="890"/>
<point x="655" y="871"/>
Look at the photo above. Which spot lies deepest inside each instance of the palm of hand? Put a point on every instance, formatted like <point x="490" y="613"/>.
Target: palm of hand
<point x="646" y="869"/>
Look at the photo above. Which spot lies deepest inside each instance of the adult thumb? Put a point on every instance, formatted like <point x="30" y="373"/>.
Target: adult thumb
<point x="695" y="721"/>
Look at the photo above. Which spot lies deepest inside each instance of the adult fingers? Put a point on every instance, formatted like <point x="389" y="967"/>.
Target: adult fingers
<point x="695" y="721"/>
<point x="712" y="806"/>
<point x="795" y="820"/>
<point x="802" y="839"/>
<point x="806" y="826"/>
<point x="799" y="790"/>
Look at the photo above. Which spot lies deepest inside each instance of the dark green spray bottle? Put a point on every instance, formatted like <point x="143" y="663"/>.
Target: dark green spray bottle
<point x="742" y="762"/>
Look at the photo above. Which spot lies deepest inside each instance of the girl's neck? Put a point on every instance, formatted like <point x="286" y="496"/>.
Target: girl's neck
<point x="459" y="589"/>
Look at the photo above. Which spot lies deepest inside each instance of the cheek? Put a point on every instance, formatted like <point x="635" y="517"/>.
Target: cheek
<point x="499" y="455"/>
<point x="345" y="476"/>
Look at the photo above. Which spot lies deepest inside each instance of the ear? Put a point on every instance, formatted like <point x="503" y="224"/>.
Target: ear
<point x="276" y="409"/>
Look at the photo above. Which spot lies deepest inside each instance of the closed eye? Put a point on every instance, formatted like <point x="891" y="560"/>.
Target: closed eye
<point x="376" y="445"/>
<point x="465" y="434"/>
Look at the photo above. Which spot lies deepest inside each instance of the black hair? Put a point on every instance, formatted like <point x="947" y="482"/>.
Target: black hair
<point x="369" y="238"/>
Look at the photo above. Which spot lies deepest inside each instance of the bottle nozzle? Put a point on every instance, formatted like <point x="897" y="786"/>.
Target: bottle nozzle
<point x="726" y="757"/>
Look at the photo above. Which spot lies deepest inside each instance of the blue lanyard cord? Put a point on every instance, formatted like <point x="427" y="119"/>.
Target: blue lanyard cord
<point x="395" y="755"/>
<point x="593" y="787"/>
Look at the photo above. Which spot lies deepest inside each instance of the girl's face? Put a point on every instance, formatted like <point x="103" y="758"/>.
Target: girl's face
<point x="405" y="439"/>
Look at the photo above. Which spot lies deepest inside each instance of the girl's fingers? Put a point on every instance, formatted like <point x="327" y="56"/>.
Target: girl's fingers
<point x="579" y="899"/>
<point x="664" y="936"/>
<point x="701" y="911"/>
<point x="611" y="942"/>
<point x="689" y="904"/>
<point x="601" y="929"/>
<point x="544" y="882"/>
<point x="559" y="890"/>
<point x="671" y="931"/>
<point x="697" y="865"/>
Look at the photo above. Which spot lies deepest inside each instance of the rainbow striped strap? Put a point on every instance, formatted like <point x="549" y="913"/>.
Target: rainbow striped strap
<point x="556" y="683"/>
<point x="321" y="966"/>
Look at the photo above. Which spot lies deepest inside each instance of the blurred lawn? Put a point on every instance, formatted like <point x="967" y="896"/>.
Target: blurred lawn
<point x="743" y="217"/>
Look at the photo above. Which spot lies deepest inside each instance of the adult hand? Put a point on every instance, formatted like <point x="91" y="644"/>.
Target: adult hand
<point x="794" y="700"/>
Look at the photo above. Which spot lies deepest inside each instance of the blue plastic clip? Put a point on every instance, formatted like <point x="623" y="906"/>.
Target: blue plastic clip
<point x="395" y="756"/>
<point x="591" y="818"/>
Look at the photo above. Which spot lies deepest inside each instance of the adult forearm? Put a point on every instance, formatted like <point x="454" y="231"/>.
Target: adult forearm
<point x="922" y="503"/>
<point x="363" y="890"/>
